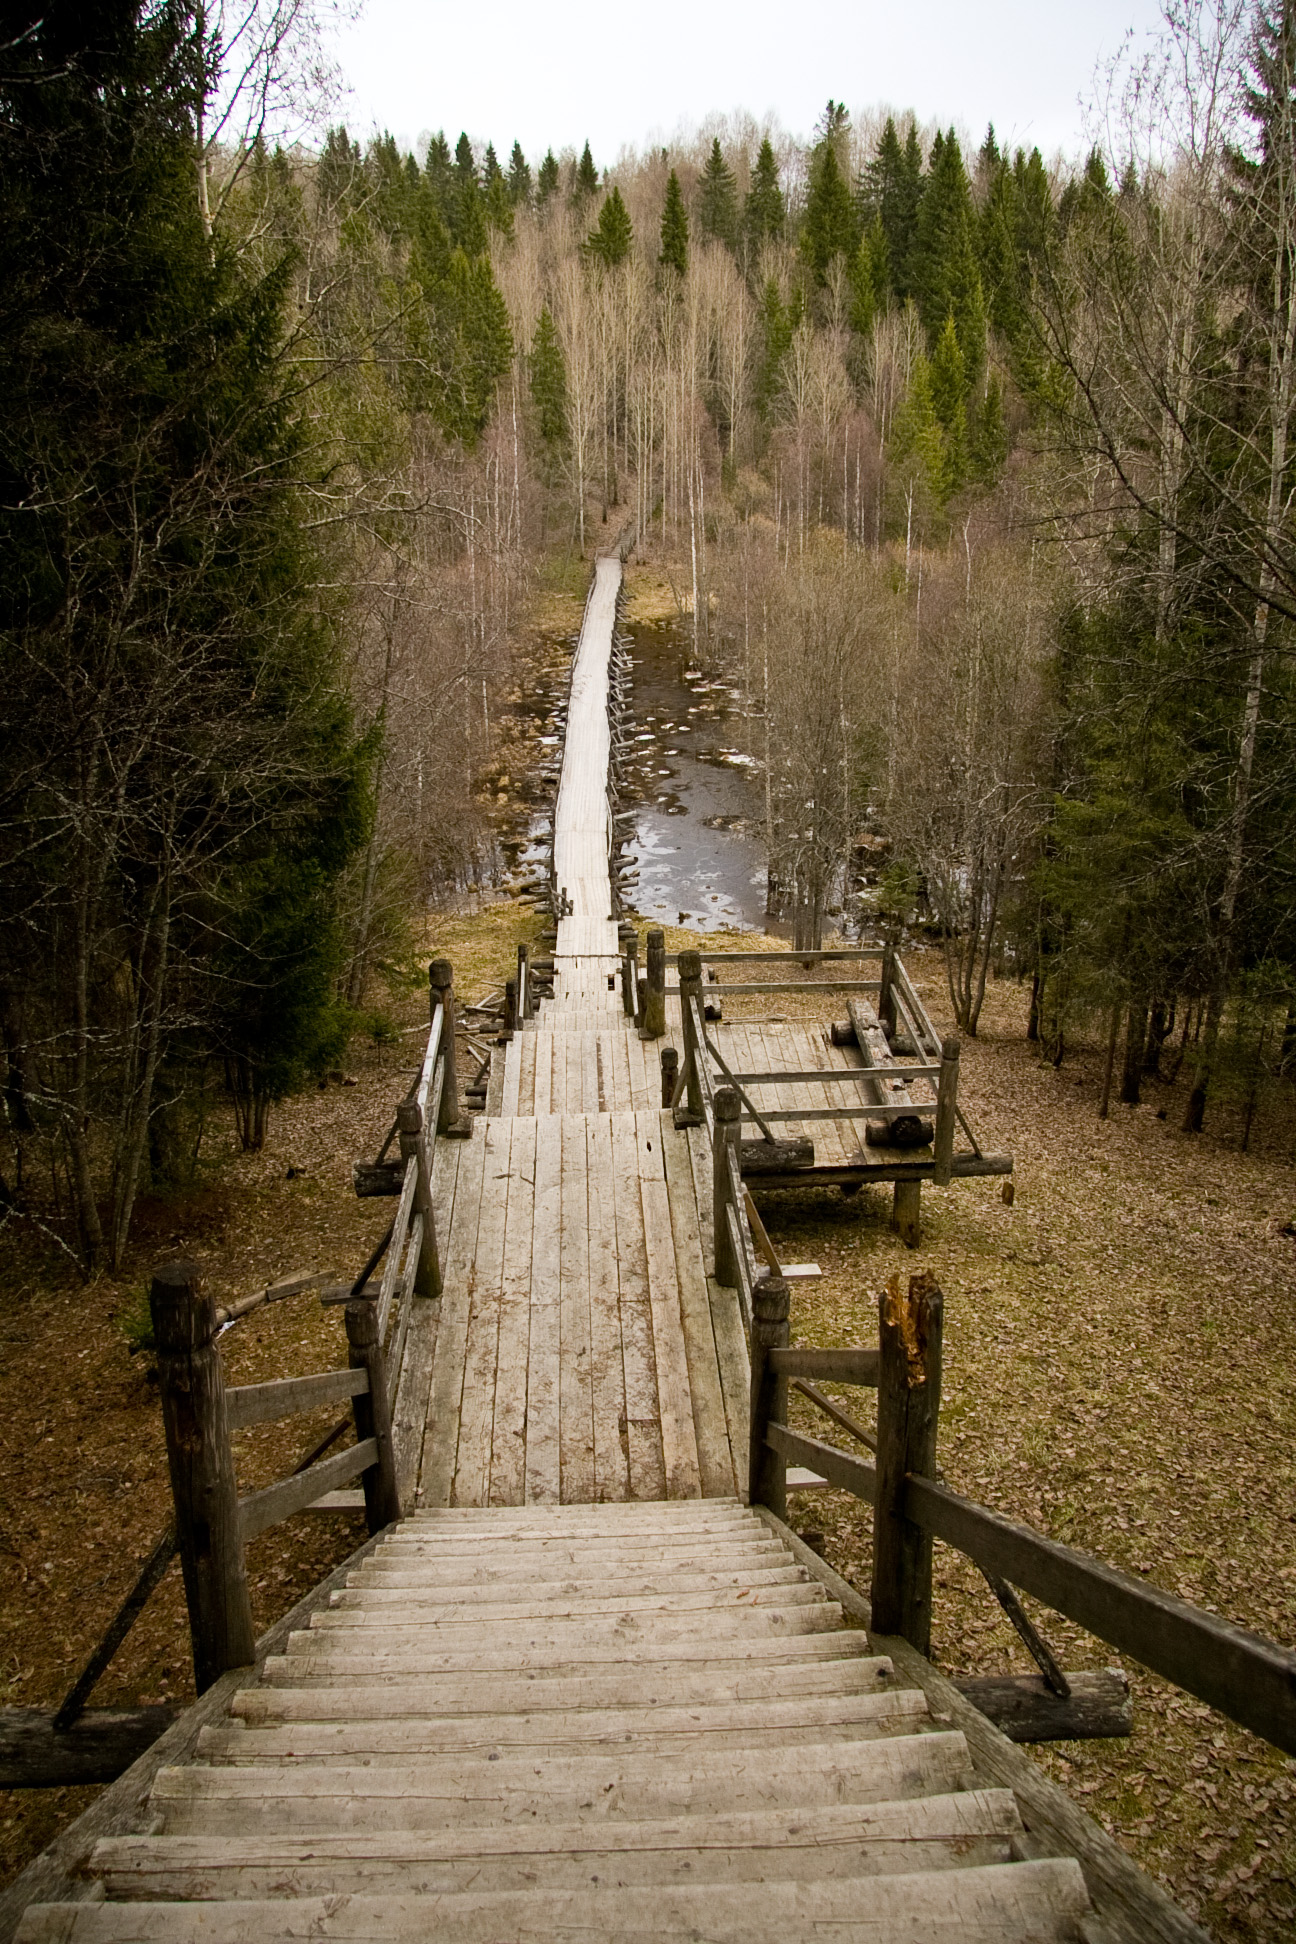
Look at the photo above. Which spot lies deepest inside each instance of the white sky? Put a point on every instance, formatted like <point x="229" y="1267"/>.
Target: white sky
<point x="558" y="72"/>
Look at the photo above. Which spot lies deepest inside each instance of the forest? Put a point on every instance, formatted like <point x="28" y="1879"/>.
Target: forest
<point x="970" y="468"/>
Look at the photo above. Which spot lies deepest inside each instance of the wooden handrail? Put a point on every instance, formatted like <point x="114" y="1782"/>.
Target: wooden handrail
<point x="286" y="1396"/>
<point x="829" y="1366"/>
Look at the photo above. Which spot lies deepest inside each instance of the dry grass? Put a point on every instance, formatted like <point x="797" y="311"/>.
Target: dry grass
<point x="1120" y="1346"/>
<point x="82" y="1462"/>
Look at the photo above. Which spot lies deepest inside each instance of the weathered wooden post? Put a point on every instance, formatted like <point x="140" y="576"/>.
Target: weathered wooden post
<point x="654" y="1012"/>
<point x="766" y="1471"/>
<point x="409" y="1123"/>
<point x="208" y="1534"/>
<point x="669" y="1074"/>
<point x="886" y="1010"/>
<point x="526" y="1005"/>
<point x="630" y="979"/>
<point x="728" y="1130"/>
<point x="373" y="1413"/>
<point x="510" y="1008"/>
<point x="451" y="1119"/>
<point x="906" y="1212"/>
<point x="909" y="1382"/>
<point x="690" y="984"/>
<point x="946" y="1113"/>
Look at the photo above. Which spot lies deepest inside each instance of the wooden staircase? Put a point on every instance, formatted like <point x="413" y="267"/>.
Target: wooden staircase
<point x="573" y="1722"/>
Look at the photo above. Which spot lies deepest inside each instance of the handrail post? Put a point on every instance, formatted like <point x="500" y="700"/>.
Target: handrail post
<point x="525" y="1007"/>
<point x="373" y="1413"/>
<point x="451" y="1119"/>
<point x="886" y="1009"/>
<point x="201" y="1460"/>
<point x="630" y="979"/>
<point x="909" y="1384"/>
<point x="946" y="1111"/>
<point x="409" y="1123"/>
<point x="654" y="1011"/>
<point x="690" y="984"/>
<point x="669" y="1074"/>
<point x="766" y="1470"/>
<point x="728" y="1131"/>
<point x="510" y="1008"/>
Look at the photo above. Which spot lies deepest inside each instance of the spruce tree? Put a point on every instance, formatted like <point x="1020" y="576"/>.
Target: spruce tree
<point x="611" y="238"/>
<point x="891" y="192"/>
<point x="491" y="170"/>
<point x="467" y="211"/>
<point x="949" y="398"/>
<point x="828" y="228"/>
<point x="779" y="323"/>
<point x="717" y="203"/>
<point x="585" y="185"/>
<point x="548" y="373"/>
<point x="989" y="444"/>
<point x="945" y="273"/>
<point x="918" y="439"/>
<point x="438" y="176"/>
<point x="1001" y="269"/>
<point x="519" y="178"/>
<point x="764" y="212"/>
<point x="674" y="228"/>
<point x="497" y="205"/>
<point x="547" y="178"/>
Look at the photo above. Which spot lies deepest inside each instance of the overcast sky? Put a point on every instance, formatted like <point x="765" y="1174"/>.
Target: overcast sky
<point x="567" y="71"/>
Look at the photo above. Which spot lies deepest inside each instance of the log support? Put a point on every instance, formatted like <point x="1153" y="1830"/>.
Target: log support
<point x="766" y="1471"/>
<point x="909" y="1382"/>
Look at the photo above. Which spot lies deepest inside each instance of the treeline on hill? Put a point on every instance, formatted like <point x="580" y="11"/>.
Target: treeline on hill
<point x="980" y="469"/>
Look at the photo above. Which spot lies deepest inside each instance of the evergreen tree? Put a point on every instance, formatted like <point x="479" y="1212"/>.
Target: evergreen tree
<point x="717" y="204"/>
<point x="918" y="440"/>
<point x="779" y="323"/>
<point x="828" y="228"/>
<point x="945" y="273"/>
<point x="1002" y="271"/>
<point x="467" y="210"/>
<point x="497" y="205"/>
<point x="1033" y="207"/>
<point x="948" y="378"/>
<point x="989" y="446"/>
<point x="438" y="176"/>
<point x="519" y="178"/>
<point x="674" y="228"/>
<point x="491" y="170"/>
<point x="549" y="383"/>
<point x="338" y="172"/>
<point x="764" y="212"/>
<point x="892" y="191"/>
<point x="547" y="178"/>
<point x="585" y="185"/>
<point x="395" y="183"/>
<point x="610" y="240"/>
<point x="870" y="278"/>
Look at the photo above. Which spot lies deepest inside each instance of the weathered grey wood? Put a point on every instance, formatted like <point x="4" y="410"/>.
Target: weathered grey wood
<point x="1131" y="1908"/>
<point x="669" y="1074"/>
<point x="886" y="992"/>
<point x="149" y="1577"/>
<point x="946" y="1113"/>
<point x="261" y="1510"/>
<point x="377" y="1178"/>
<point x="828" y="1366"/>
<point x="372" y="1410"/>
<point x="653" y="1025"/>
<point x="765" y="1471"/>
<point x="909" y="1382"/>
<point x="777" y="1157"/>
<point x="1022" y="1707"/>
<point x="413" y="1147"/>
<point x="842" y="1419"/>
<point x="451" y="1119"/>
<point x="284" y="1396"/>
<point x="208" y="1533"/>
<point x="34" y="1754"/>
<point x="895" y="1123"/>
<point x="831" y="1076"/>
<point x="906" y="1212"/>
<point x="837" y="1467"/>
<point x="694" y="1053"/>
<point x="1248" y="1678"/>
<point x="728" y="1127"/>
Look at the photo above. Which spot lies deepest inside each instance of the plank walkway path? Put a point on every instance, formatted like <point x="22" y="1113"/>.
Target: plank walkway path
<point x="581" y="1669"/>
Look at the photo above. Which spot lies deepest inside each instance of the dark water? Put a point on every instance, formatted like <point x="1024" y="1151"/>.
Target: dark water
<point x="697" y="843"/>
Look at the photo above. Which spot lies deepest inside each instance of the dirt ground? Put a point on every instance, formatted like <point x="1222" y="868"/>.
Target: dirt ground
<point x="1120" y="1370"/>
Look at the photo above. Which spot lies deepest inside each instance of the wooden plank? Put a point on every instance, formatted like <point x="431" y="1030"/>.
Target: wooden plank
<point x="527" y="1072"/>
<point x="413" y="1391"/>
<point x="679" y="1440"/>
<point x="285" y="1396"/>
<point x="260" y="1510"/>
<point x="543" y="1070"/>
<point x="607" y="1373"/>
<point x="576" y="1408"/>
<point x="844" y="1366"/>
<point x="97" y="1748"/>
<point x="716" y="1463"/>
<point x="558" y="1081"/>
<point x="847" y="1473"/>
<point x="477" y="1410"/>
<point x="647" y="1470"/>
<point x="590" y="1102"/>
<point x="459" y="1242"/>
<point x="543" y="1467"/>
<point x="512" y="1077"/>
<point x="509" y="1432"/>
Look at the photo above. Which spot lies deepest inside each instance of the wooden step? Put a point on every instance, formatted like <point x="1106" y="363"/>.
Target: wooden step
<point x="304" y="1797"/>
<point x="856" y="1840"/>
<point x="726" y="1623"/>
<point x="470" y="1694"/>
<point x="361" y="1657"/>
<point x="1017" y="1903"/>
<point x="385" y="1568"/>
<point x="667" y="1549"/>
<point x="662" y="1730"/>
<point x="409" y="1606"/>
<point x="394" y="1583"/>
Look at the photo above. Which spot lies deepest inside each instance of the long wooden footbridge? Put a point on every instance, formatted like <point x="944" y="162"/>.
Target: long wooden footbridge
<point x="584" y="1681"/>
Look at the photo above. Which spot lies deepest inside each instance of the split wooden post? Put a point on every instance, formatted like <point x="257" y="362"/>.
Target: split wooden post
<point x="886" y="1010"/>
<point x="208" y="1534"/>
<point x="451" y="1118"/>
<point x="728" y="1132"/>
<point x="946" y="1113"/>
<point x="766" y="1471"/>
<point x="510" y="1008"/>
<point x="909" y="1384"/>
<point x="690" y="984"/>
<point x="525" y="1004"/>
<point x="906" y="1212"/>
<point x="654" y="1012"/>
<point x="630" y="979"/>
<point x="409" y="1123"/>
<point x="669" y="1074"/>
<point x="373" y="1413"/>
